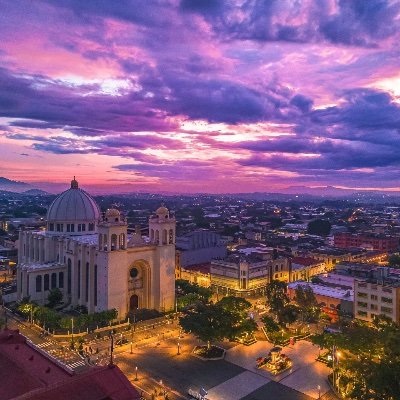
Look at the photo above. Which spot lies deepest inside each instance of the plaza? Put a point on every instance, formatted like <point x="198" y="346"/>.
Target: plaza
<point x="234" y="378"/>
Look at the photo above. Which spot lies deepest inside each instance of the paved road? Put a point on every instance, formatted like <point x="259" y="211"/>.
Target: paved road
<point x="62" y="353"/>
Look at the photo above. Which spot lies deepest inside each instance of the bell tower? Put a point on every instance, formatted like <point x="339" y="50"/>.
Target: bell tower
<point x="112" y="231"/>
<point x="112" y="256"/>
<point x="162" y="230"/>
<point x="162" y="227"/>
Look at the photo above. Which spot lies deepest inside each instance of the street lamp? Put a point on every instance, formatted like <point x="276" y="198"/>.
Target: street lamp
<point x="136" y="378"/>
<point x="179" y="348"/>
<point x="131" y="348"/>
<point x="319" y="391"/>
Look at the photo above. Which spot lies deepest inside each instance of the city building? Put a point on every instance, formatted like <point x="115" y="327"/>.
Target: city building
<point x="303" y="268"/>
<point x="27" y="372"/>
<point x="247" y="275"/>
<point x="198" y="274"/>
<point x="381" y="242"/>
<point x="91" y="258"/>
<point x="331" y="300"/>
<point x="333" y="255"/>
<point x="379" y="294"/>
<point x="198" y="247"/>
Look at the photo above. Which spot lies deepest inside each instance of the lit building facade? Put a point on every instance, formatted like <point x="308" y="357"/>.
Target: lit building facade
<point x="246" y="276"/>
<point x="91" y="258"/>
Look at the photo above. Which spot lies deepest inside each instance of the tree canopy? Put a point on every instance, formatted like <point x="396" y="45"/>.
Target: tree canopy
<point x="277" y="298"/>
<point x="370" y="365"/>
<point x="320" y="227"/>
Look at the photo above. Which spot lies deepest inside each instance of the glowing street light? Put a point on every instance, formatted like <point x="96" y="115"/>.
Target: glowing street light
<point x="136" y="378"/>
<point x="179" y="348"/>
<point x="131" y="347"/>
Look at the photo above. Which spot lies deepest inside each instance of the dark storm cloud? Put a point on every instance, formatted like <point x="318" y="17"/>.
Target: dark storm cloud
<point x="362" y="132"/>
<point x="38" y="98"/>
<point x="356" y="22"/>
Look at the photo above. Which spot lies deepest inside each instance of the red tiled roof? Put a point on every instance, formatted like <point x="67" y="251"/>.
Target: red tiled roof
<point x="103" y="383"/>
<point x="203" y="268"/>
<point x="27" y="373"/>
<point x="306" y="261"/>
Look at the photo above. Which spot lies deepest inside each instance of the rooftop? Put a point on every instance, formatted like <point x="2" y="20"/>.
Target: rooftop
<point x="26" y="372"/>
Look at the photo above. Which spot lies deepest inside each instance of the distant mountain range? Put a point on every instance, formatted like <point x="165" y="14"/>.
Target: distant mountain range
<point x="9" y="185"/>
<point x="296" y="193"/>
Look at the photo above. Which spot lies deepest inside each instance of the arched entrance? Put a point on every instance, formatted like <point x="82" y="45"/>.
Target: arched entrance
<point x="134" y="302"/>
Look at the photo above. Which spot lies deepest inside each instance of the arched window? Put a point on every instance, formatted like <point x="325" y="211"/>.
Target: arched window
<point x="113" y="242"/>
<point x="38" y="283"/>
<point x="105" y="242"/>
<point x="61" y="280"/>
<point x="171" y="236"/>
<point x="164" y="236"/>
<point x="46" y="282"/>
<point x="87" y="283"/>
<point x="122" y="241"/>
<point x="157" y="240"/>
<point x="151" y="234"/>
<point x="69" y="276"/>
<point x="100" y="241"/>
<point x="79" y="279"/>
<point x="95" y="285"/>
<point x="53" y="280"/>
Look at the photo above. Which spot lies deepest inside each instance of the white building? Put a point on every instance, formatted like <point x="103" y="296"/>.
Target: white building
<point x="94" y="262"/>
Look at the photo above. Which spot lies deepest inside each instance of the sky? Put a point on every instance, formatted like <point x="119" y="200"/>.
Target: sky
<point x="200" y="95"/>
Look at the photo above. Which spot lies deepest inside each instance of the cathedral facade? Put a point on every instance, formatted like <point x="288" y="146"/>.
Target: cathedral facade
<point x="91" y="258"/>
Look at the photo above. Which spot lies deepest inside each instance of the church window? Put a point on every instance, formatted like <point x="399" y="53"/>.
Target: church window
<point x="171" y="236"/>
<point x="46" y="282"/>
<point x="122" y="241"/>
<point x="113" y="242"/>
<point x="134" y="272"/>
<point x="68" y="227"/>
<point x="24" y="249"/>
<point x="83" y="227"/>
<point x="69" y="272"/>
<point x="61" y="280"/>
<point x="79" y="279"/>
<point x="39" y="283"/>
<point x="87" y="282"/>
<point x="51" y="227"/>
<point x="91" y="227"/>
<point x="53" y="280"/>
<point x="95" y="285"/>
<point x="164" y="237"/>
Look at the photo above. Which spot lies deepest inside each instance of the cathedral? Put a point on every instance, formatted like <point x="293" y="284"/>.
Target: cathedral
<point x="93" y="260"/>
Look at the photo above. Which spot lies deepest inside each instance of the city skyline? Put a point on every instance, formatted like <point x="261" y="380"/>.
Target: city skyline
<point x="200" y="96"/>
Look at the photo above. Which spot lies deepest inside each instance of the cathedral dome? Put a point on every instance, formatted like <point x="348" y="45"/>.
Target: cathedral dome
<point x="112" y="212"/>
<point x="73" y="205"/>
<point x="162" y="211"/>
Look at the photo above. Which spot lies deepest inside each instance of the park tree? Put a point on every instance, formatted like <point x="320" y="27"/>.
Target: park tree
<point x="236" y="305"/>
<point x="270" y="325"/>
<point x="208" y="322"/>
<point x="307" y="302"/>
<point x="288" y="314"/>
<point x="370" y="365"/>
<point x="54" y="298"/>
<point x="394" y="261"/>
<point x="184" y="287"/>
<point x="320" y="227"/>
<point x="188" y="300"/>
<point x="277" y="298"/>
